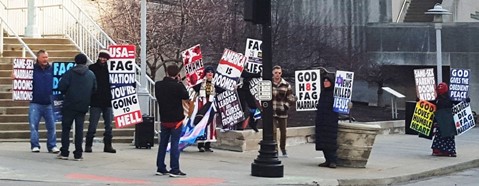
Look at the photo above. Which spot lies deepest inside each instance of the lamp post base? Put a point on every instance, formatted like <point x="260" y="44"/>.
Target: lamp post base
<point x="267" y="163"/>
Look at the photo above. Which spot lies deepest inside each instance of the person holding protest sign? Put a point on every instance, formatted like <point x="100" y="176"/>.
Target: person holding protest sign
<point x="77" y="85"/>
<point x="283" y="97"/>
<point x="326" y="129"/>
<point x="41" y="104"/>
<point x="170" y="93"/>
<point x="206" y="94"/>
<point x="101" y="104"/>
<point x="248" y="101"/>
<point x="443" y="143"/>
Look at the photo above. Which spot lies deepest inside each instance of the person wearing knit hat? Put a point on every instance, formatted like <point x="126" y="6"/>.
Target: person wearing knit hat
<point x="104" y="54"/>
<point x="77" y="84"/>
<point x="206" y="91"/>
<point x="101" y="104"/>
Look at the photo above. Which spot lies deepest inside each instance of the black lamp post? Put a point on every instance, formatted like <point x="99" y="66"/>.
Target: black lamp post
<point x="267" y="163"/>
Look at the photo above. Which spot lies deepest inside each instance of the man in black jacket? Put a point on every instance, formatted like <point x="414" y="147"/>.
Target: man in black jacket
<point x="77" y="85"/>
<point x="101" y="104"/>
<point x="170" y="93"/>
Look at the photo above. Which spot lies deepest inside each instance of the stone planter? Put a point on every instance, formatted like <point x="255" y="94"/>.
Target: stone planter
<point x="355" y="142"/>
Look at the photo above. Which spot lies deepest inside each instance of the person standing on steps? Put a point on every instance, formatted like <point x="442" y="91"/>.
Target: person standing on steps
<point x="283" y="97"/>
<point x="101" y="104"/>
<point x="77" y="85"/>
<point x="41" y="104"/>
<point x="326" y="129"/>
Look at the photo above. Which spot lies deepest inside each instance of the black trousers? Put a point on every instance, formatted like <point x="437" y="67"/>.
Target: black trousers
<point x="330" y="155"/>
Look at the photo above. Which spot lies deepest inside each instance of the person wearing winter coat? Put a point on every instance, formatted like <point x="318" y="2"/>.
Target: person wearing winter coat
<point x="326" y="128"/>
<point x="77" y="85"/>
<point x="101" y="104"/>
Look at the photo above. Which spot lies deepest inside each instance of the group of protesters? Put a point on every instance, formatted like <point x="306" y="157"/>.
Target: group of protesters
<point x="87" y="89"/>
<point x="84" y="89"/>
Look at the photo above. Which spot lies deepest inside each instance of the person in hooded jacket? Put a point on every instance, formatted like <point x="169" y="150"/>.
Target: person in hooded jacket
<point x="77" y="85"/>
<point x="101" y="104"/>
<point x="326" y="129"/>
<point x="443" y="143"/>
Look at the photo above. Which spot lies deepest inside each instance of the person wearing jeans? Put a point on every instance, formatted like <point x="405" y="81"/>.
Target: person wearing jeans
<point x="170" y="93"/>
<point x="41" y="104"/>
<point x="173" y="135"/>
<point x="35" y="113"/>
<point x="101" y="104"/>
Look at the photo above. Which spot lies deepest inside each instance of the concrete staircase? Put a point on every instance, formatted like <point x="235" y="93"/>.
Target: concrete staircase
<point x="14" y="126"/>
<point x="415" y="12"/>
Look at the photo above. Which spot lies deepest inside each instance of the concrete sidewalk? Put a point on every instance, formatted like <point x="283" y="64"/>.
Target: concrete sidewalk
<point x="394" y="159"/>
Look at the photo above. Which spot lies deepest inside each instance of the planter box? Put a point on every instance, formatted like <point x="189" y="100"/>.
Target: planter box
<point x="355" y="142"/>
<point x="248" y="140"/>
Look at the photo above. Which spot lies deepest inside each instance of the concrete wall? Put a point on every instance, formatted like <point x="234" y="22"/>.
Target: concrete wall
<point x="413" y="45"/>
<point x="461" y="9"/>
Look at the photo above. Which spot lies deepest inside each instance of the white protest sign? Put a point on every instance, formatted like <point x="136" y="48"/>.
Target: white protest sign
<point x="463" y="118"/>
<point x="193" y="63"/>
<point x="343" y="91"/>
<point x="125" y="104"/>
<point x="459" y="84"/>
<point x="23" y="81"/>
<point x="308" y="88"/>
<point x="254" y="64"/>
<point x="425" y="84"/>
<point x="229" y="70"/>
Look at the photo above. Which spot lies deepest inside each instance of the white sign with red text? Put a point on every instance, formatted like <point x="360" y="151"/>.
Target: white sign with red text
<point x="125" y="103"/>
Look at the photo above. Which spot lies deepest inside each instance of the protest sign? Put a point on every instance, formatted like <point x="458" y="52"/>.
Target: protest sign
<point x="422" y="117"/>
<point x="193" y="63"/>
<point x="343" y="91"/>
<point x="59" y="68"/>
<point x="425" y="84"/>
<point x="254" y="64"/>
<point x="463" y="117"/>
<point x="229" y="70"/>
<point x="229" y="108"/>
<point x="23" y="81"/>
<point x="125" y="104"/>
<point x="459" y="84"/>
<point x="308" y="88"/>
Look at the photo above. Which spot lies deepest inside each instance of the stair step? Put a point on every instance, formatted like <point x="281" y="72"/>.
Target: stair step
<point x="7" y="126"/>
<point x="50" y="59"/>
<point x="43" y="133"/>
<point x="5" y="81"/>
<point x="9" y="103"/>
<point x="13" y="110"/>
<point x="56" y="53"/>
<point x="6" y="66"/>
<point x="36" y="47"/>
<point x="13" y="40"/>
<point x="116" y="139"/>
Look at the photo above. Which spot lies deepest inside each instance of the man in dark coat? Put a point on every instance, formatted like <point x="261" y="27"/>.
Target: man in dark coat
<point x="101" y="104"/>
<point x="327" y="124"/>
<point x="77" y="85"/>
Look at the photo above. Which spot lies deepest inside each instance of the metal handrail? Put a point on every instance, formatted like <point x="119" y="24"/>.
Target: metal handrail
<point x="25" y="46"/>
<point x="83" y="31"/>
<point x="403" y="8"/>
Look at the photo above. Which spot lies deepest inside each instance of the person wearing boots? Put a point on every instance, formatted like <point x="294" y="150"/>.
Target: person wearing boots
<point x="101" y="104"/>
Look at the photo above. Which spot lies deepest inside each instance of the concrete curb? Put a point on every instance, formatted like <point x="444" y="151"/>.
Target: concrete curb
<point x="410" y="177"/>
